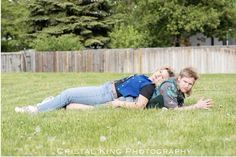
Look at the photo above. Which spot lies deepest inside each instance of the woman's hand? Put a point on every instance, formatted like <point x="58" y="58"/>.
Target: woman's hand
<point x="204" y="104"/>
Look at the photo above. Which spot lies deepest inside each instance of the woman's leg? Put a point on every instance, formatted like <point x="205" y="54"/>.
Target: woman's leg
<point x="81" y="95"/>
<point x="74" y="106"/>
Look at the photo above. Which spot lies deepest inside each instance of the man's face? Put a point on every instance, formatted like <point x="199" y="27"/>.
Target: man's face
<point x="185" y="84"/>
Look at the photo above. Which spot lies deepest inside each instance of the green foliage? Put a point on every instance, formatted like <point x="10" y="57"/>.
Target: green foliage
<point x="126" y="37"/>
<point x="113" y="131"/>
<point x="98" y="41"/>
<point x="13" y="25"/>
<point x="90" y="20"/>
<point x="157" y="23"/>
<point x="206" y="17"/>
<point x="12" y="45"/>
<point x="68" y="42"/>
<point x="169" y="22"/>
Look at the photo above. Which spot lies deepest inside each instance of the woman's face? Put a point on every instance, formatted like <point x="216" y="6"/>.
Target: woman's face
<point x="185" y="84"/>
<point x="159" y="76"/>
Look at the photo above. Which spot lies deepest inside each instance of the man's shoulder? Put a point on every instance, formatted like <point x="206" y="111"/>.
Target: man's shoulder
<point x="169" y="83"/>
<point x="169" y="87"/>
<point x="171" y="80"/>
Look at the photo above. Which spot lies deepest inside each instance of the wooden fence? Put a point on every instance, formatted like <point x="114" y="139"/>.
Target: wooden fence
<point x="215" y="59"/>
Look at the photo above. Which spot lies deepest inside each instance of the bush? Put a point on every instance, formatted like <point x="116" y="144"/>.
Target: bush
<point x="12" y="45"/>
<point x="68" y="42"/>
<point x="126" y="37"/>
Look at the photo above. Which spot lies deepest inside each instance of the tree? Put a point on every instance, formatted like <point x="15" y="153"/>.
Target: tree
<point x="13" y="25"/>
<point x="171" y="22"/>
<point x="90" y="20"/>
<point x="126" y="36"/>
<point x="185" y="18"/>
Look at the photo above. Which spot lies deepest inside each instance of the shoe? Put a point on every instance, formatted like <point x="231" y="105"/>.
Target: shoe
<point x="26" y="109"/>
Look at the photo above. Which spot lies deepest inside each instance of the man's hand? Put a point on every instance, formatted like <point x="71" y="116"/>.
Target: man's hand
<point x="204" y="104"/>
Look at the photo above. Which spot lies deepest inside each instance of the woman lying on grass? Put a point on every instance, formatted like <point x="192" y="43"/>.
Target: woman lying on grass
<point x="136" y="86"/>
<point x="171" y="93"/>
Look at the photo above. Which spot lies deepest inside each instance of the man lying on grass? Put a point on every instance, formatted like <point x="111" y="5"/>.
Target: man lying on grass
<point x="169" y="94"/>
<point x="136" y="86"/>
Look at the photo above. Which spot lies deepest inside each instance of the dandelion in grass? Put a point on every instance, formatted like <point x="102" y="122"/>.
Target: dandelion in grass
<point x="37" y="129"/>
<point x="39" y="147"/>
<point x="227" y="139"/>
<point x="19" y="149"/>
<point x="103" y="138"/>
<point x="139" y="142"/>
<point x="51" y="138"/>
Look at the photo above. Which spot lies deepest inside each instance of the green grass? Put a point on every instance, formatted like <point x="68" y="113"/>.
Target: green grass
<point x="107" y="131"/>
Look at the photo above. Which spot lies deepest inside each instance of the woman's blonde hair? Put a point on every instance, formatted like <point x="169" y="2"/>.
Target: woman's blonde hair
<point x="169" y="70"/>
<point x="189" y="72"/>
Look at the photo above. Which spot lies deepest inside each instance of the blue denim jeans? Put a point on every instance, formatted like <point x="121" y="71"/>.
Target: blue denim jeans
<point x="94" y="95"/>
<point x="128" y="99"/>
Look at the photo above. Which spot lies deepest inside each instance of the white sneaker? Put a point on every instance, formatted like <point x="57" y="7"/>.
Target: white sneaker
<point x="26" y="109"/>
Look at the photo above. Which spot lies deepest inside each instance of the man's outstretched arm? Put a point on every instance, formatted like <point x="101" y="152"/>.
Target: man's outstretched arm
<point x="201" y="104"/>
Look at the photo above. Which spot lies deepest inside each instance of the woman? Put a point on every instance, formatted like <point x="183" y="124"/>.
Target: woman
<point x="139" y="86"/>
<point x="171" y="93"/>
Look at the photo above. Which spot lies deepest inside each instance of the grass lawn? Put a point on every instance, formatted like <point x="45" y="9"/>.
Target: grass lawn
<point x="107" y="131"/>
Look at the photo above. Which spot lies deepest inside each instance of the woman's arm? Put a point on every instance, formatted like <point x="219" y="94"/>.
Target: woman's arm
<point x="140" y="104"/>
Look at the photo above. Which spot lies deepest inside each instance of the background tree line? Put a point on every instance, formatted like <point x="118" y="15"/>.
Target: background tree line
<point x="77" y="24"/>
